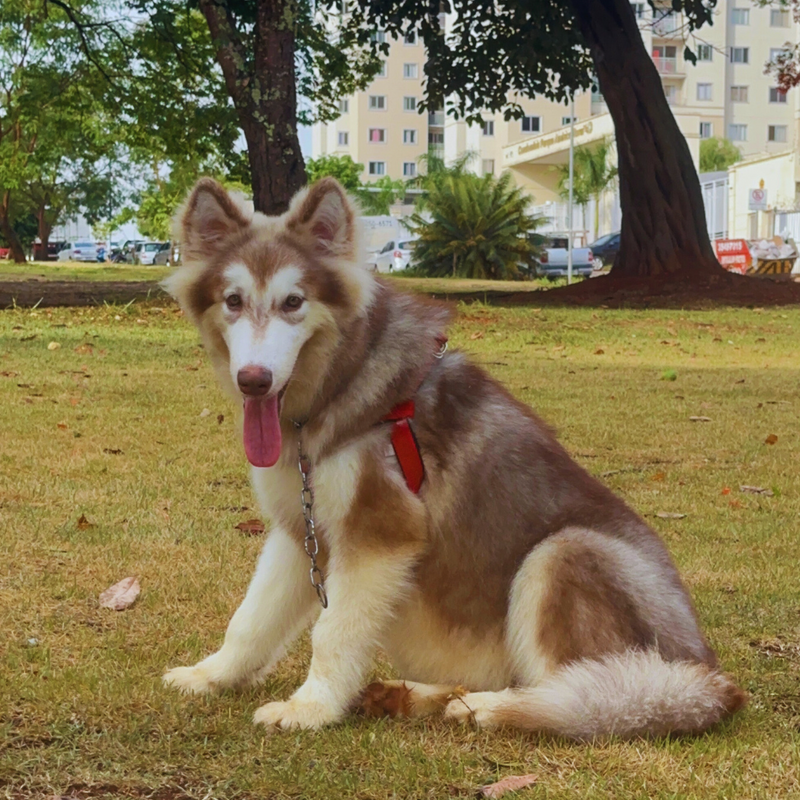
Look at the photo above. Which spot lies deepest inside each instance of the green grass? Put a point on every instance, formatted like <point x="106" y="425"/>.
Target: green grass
<point x="82" y="711"/>
<point x="78" y="271"/>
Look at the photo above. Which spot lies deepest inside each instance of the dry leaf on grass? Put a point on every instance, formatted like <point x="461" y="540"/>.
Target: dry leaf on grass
<point x="54" y="346"/>
<point x="700" y="419"/>
<point x="83" y="523"/>
<point x="669" y="515"/>
<point x="599" y="351"/>
<point x="220" y="419"/>
<point x="509" y="784"/>
<point x="205" y="413"/>
<point x="477" y="335"/>
<point x="252" y="527"/>
<point x="771" y="439"/>
<point x="756" y="490"/>
<point x="112" y="451"/>
<point x="121" y="595"/>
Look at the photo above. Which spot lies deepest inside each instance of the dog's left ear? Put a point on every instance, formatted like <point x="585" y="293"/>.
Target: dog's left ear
<point x="324" y="217"/>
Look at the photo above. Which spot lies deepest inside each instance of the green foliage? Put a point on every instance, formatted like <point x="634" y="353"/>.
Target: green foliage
<point x="375" y="197"/>
<point x="718" y="154"/>
<point x="474" y="227"/>
<point x="593" y="174"/>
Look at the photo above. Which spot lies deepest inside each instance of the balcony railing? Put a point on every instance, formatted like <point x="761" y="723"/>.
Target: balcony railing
<point x="666" y="25"/>
<point x="666" y="65"/>
<point x="436" y="118"/>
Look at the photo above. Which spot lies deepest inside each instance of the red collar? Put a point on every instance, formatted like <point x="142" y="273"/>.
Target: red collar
<point x="404" y="443"/>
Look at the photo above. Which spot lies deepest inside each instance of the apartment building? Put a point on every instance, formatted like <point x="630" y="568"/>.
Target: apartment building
<point x="725" y="94"/>
<point x="382" y="127"/>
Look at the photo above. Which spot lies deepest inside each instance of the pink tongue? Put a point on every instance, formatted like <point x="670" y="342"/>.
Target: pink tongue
<point x="262" y="431"/>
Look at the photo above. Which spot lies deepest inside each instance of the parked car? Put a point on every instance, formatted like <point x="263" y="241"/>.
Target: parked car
<point x="165" y="256"/>
<point x="78" y="251"/>
<point x="553" y="262"/>
<point x="394" y="256"/>
<point x="146" y="252"/>
<point x="605" y="250"/>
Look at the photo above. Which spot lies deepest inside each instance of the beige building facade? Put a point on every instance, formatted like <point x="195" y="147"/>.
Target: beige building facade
<point x="725" y="94"/>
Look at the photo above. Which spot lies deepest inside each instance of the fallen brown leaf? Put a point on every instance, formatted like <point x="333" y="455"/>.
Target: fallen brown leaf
<point x="112" y="451"/>
<point x="771" y="439"/>
<point x="700" y="419"/>
<point x="509" y="784"/>
<point x="599" y="351"/>
<point x="477" y="335"/>
<point x="220" y="419"/>
<point x="83" y="523"/>
<point x="756" y="490"/>
<point x="121" y="595"/>
<point x="252" y="527"/>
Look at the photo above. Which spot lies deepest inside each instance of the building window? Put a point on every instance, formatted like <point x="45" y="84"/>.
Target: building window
<point x="706" y="130"/>
<point x="377" y="102"/>
<point x="344" y="106"/>
<point x="705" y="52"/>
<point x="740" y="55"/>
<point x="704" y="91"/>
<point x="779" y="18"/>
<point x="409" y="104"/>
<point x="776" y="133"/>
<point x="487" y="126"/>
<point x="382" y="73"/>
<point x="410" y="71"/>
<point x="435" y="137"/>
<point x="410" y="38"/>
<point x="776" y="52"/>
<point x="638" y="10"/>
<point x="739" y="94"/>
<point x="740" y="16"/>
<point x="531" y="125"/>
<point x="487" y="166"/>
<point x="737" y="133"/>
<point x="377" y="135"/>
<point x="410" y="136"/>
<point x="671" y="93"/>
<point x="377" y="37"/>
<point x="344" y="138"/>
<point x="409" y="169"/>
<point x="568" y="120"/>
<point x="377" y="167"/>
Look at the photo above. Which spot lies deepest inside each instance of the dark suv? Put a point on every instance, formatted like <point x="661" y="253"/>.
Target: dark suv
<point x="605" y="249"/>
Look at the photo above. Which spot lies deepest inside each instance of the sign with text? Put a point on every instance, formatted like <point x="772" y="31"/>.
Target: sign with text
<point x="757" y="200"/>
<point x="733" y="254"/>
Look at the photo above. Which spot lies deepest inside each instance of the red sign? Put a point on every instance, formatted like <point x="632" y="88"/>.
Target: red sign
<point x="733" y="254"/>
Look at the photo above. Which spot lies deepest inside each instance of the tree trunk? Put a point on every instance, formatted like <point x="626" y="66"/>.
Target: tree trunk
<point x="663" y="217"/>
<point x="7" y="229"/>
<point x="262" y="85"/>
<point x="44" y="228"/>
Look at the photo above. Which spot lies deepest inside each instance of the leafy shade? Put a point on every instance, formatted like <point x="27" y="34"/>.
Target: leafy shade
<point x="718" y="154"/>
<point x="474" y="227"/>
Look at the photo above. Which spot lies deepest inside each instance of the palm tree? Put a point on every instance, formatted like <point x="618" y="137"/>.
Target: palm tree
<point x="593" y="175"/>
<point x="473" y="227"/>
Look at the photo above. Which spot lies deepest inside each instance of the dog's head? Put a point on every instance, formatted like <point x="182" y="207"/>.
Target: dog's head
<point x="268" y="293"/>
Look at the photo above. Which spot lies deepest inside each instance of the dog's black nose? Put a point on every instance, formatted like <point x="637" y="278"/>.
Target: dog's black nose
<point x="254" y="381"/>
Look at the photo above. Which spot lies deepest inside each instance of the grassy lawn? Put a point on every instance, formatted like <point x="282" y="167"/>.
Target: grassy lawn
<point x="78" y="271"/>
<point x="112" y="426"/>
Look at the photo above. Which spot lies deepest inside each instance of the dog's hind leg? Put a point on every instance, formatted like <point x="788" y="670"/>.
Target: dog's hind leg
<point x="406" y="699"/>
<point x="279" y="603"/>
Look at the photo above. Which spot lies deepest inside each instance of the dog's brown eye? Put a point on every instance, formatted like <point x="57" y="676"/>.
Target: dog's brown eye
<point x="293" y="302"/>
<point x="233" y="301"/>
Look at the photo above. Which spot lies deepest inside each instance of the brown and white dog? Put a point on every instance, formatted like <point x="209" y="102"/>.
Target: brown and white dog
<point x="513" y="589"/>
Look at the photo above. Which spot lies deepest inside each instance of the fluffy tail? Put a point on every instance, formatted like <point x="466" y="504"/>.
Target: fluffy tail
<point x="628" y="695"/>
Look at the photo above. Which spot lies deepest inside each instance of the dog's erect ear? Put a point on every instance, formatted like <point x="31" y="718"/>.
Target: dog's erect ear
<point x="209" y="217"/>
<point x="324" y="217"/>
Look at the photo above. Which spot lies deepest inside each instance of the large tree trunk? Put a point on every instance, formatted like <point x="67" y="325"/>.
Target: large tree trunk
<point x="7" y="229"/>
<point x="44" y="227"/>
<point x="263" y="90"/>
<point x="663" y="217"/>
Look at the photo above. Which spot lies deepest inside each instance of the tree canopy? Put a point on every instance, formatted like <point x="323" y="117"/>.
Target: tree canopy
<point x="718" y="154"/>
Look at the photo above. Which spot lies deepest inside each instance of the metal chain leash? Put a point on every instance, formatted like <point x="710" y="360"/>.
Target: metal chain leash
<point x="307" y="503"/>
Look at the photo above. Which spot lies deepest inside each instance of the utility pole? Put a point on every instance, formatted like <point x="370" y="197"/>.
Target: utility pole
<point x="571" y="179"/>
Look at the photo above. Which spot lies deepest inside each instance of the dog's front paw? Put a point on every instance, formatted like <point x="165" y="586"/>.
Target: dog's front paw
<point x="190" y="680"/>
<point x="294" y="713"/>
<point x="476" y="707"/>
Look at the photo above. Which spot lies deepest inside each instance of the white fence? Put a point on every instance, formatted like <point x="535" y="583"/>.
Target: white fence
<point x="715" y="200"/>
